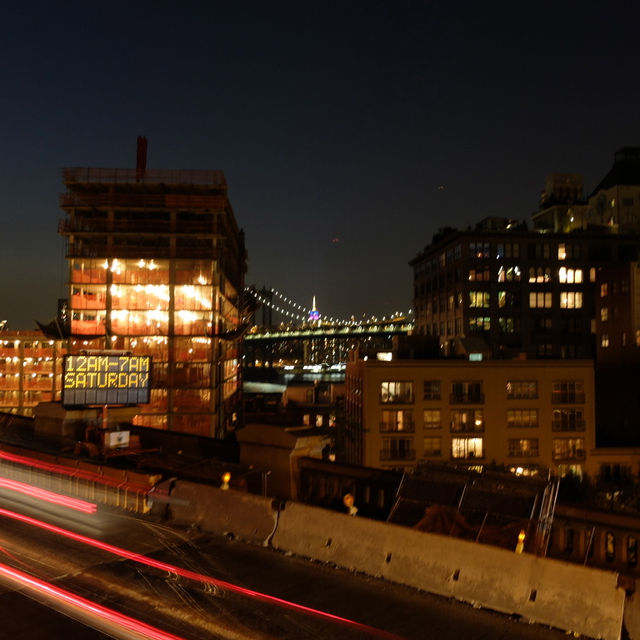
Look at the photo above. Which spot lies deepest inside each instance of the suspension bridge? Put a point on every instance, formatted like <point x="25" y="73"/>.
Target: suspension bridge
<point x="306" y="337"/>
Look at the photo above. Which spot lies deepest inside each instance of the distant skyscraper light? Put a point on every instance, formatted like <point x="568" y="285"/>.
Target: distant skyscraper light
<point x="314" y="314"/>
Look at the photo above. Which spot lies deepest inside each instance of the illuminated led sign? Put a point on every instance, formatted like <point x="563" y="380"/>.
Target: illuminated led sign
<point x="106" y="379"/>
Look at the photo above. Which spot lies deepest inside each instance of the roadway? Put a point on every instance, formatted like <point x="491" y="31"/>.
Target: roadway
<point x="217" y="588"/>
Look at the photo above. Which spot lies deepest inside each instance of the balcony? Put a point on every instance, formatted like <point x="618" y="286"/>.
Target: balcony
<point x="394" y="427"/>
<point x="406" y="454"/>
<point x="575" y="397"/>
<point x="577" y="424"/>
<point x="568" y="456"/>
<point x="472" y="427"/>
<point x="476" y="397"/>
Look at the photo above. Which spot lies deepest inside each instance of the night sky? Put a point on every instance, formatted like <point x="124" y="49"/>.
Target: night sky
<point x="349" y="132"/>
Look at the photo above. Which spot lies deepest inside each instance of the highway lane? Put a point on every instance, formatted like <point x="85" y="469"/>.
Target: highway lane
<point x="194" y="610"/>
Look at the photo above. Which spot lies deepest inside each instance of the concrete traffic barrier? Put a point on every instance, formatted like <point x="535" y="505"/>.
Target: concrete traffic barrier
<point x="236" y="513"/>
<point x="570" y="597"/>
<point x="632" y="616"/>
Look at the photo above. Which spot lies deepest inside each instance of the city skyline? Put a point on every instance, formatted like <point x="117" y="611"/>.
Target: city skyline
<point x="347" y="134"/>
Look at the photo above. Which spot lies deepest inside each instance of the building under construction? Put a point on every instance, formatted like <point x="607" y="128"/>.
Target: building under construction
<point x="156" y="267"/>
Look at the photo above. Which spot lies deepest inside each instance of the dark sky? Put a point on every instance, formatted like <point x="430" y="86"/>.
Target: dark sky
<point x="330" y="120"/>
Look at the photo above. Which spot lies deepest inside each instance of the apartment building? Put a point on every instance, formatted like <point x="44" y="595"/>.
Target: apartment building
<point x="521" y="291"/>
<point x="528" y="415"/>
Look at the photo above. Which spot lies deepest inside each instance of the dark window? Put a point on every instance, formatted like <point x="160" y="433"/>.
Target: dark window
<point x="632" y="551"/>
<point x="569" y="540"/>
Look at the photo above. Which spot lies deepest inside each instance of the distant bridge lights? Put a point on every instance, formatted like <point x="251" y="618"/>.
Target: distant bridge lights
<point x="302" y="314"/>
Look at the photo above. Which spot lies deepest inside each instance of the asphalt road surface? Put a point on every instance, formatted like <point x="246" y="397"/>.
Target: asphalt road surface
<point x="239" y="599"/>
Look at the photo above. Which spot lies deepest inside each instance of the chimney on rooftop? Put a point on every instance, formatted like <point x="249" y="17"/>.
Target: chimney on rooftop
<point x="141" y="158"/>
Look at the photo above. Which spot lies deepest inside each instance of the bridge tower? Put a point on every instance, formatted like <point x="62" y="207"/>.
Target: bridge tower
<point x="267" y="311"/>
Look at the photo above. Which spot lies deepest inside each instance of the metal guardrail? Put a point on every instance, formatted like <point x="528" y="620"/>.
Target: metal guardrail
<point x="466" y="398"/>
<point x="578" y="425"/>
<point x="407" y="454"/>
<point x="392" y="427"/>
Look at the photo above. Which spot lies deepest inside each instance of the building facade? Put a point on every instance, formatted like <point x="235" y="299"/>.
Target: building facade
<point x="563" y="207"/>
<point x="156" y="267"/>
<point x="617" y="320"/>
<point x="523" y="292"/>
<point x="613" y="206"/>
<point x="30" y="370"/>
<point x="527" y="415"/>
<point x="617" y="314"/>
<point x="615" y="202"/>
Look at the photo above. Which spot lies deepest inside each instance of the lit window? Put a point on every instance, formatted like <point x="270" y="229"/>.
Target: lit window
<point x="400" y="392"/>
<point x="479" y="249"/>
<point x="571" y="299"/>
<point x="604" y="342"/>
<point x="604" y="314"/>
<point x="540" y="299"/>
<point x="523" y="447"/>
<point x="507" y="299"/>
<point x="562" y="251"/>
<point x="603" y="290"/>
<point x="432" y="446"/>
<point x="467" y="421"/>
<point x="508" y="274"/>
<point x="568" y="448"/>
<point x="539" y="275"/>
<point x="609" y="542"/>
<point x="467" y="448"/>
<point x="478" y="324"/>
<point x="397" y="421"/>
<point x="479" y="299"/>
<point x="569" y="276"/>
<point x="432" y="418"/>
<point x="478" y="275"/>
<point x="522" y="389"/>
<point x="522" y="417"/>
<point x="509" y="325"/>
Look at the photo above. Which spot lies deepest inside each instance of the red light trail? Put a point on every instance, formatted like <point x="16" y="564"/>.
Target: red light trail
<point x="73" y="472"/>
<point x="191" y="575"/>
<point x="67" y="597"/>
<point x="48" y="496"/>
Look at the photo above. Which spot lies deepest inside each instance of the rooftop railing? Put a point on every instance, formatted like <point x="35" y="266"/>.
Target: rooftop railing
<point x="149" y="176"/>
